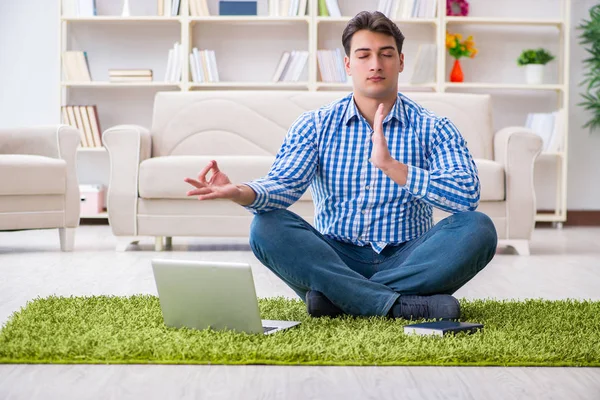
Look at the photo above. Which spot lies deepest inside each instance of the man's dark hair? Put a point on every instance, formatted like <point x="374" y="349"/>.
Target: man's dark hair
<point x="373" y="21"/>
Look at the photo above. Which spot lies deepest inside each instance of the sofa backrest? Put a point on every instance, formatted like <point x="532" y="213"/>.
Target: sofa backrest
<point x="218" y="123"/>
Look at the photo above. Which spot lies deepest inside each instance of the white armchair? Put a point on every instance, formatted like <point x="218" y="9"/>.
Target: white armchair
<point x="38" y="180"/>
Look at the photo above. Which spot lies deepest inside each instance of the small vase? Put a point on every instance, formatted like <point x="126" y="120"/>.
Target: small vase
<point x="456" y="75"/>
<point x="125" y="12"/>
<point x="534" y="74"/>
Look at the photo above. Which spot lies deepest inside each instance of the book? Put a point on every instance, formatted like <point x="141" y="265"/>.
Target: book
<point x="130" y="72"/>
<point x="441" y="328"/>
<point x="238" y="8"/>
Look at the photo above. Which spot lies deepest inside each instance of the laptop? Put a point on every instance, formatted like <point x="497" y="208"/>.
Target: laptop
<point x="216" y="295"/>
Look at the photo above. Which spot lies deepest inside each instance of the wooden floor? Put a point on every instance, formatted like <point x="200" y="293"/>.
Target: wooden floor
<point x="564" y="264"/>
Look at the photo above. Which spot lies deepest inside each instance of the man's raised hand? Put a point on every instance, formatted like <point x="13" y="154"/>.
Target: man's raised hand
<point x="218" y="186"/>
<point x="380" y="154"/>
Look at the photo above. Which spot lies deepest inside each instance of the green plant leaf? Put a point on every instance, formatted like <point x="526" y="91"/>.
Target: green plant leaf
<point x="590" y="37"/>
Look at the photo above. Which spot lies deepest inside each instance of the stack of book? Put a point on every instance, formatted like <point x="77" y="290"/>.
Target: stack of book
<point x="79" y="8"/>
<point x="75" y="66"/>
<point x="198" y="8"/>
<point x="174" y="64"/>
<point x="291" y="65"/>
<point x="329" y="8"/>
<point x="331" y="66"/>
<point x="85" y="119"/>
<point x="550" y="127"/>
<point x="169" y="8"/>
<point x="406" y="9"/>
<point x="130" y="75"/>
<point x="203" y="66"/>
<point x="287" y="8"/>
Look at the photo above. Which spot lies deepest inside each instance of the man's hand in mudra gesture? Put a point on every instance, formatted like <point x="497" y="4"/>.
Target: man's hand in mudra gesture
<point x="218" y="186"/>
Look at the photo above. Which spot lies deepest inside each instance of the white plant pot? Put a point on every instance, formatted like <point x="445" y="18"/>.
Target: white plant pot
<point x="534" y="74"/>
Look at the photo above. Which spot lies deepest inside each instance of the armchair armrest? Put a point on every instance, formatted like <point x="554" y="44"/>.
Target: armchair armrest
<point x="54" y="141"/>
<point x="517" y="148"/>
<point x="128" y="146"/>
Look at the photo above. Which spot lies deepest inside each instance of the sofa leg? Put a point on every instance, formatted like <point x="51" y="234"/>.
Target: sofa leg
<point x="158" y="243"/>
<point x="520" y="246"/>
<point x="67" y="238"/>
<point x="169" y="242"/>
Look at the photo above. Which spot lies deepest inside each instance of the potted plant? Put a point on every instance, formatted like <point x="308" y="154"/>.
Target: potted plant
<point x="457" y="47"/>
<point x="534" y="61"/>
<point x="590" y="36"/>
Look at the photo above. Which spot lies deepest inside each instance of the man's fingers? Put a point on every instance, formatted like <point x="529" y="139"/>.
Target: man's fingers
<point x="194" y="182"/>
<point x="379" y="116"/>
<point x="215" y="167"/>
<point x="210" y="196"/>
<point x="199" y="191"/>
<point x="202" y="174"/>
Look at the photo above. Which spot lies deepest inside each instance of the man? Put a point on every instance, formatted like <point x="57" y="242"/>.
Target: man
<point x="377" y="163"/>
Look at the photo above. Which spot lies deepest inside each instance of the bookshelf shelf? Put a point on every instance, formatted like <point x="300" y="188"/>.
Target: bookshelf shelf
<point x="103" y="215"/>
<point x="250" y="20"/>
<point x="509" y="86"/>
<point x="92" y="149"/>
<point x="100" y="19"/>
<point x="247" y="49"/>
<point x="504" y="21"/>
<point x="344" y="20"/>
<point x="120" y="84"/>
<point x="243" y="85"/>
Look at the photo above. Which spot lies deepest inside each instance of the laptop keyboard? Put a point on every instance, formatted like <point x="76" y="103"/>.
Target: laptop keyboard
<point x="268" y="328"/>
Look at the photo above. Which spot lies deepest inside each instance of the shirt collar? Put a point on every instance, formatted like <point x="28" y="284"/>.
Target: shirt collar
<point x="397" y="112"/>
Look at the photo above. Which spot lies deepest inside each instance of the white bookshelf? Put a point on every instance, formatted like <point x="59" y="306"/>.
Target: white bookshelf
<point x="257" y="42"/>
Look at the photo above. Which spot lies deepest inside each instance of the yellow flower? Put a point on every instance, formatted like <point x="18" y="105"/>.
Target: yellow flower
<point x="473" y="52"/>
<point x="459" y="37"/>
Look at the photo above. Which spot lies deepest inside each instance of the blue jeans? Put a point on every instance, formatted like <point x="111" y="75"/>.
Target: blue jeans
<point x="360" y="281"/>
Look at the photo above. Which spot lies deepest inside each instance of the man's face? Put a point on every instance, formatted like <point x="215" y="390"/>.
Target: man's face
<point x="374" y="64"/>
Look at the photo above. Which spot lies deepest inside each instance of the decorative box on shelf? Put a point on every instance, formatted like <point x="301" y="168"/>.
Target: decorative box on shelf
<point x="92" y="199"/>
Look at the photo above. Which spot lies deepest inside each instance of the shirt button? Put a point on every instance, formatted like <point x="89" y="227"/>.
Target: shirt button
<point x="369" y="160"/>
<point x="367" y="187"/>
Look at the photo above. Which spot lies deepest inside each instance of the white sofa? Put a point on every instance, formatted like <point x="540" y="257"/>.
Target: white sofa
<point x="38" y="180"/>
<point x="243" y="130"/>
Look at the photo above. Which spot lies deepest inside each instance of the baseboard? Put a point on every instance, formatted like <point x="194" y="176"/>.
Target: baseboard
<point x="576" y="218"/>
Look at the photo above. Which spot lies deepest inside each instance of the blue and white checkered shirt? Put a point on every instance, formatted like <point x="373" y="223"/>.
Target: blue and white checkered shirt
<point x="355" y="202"/>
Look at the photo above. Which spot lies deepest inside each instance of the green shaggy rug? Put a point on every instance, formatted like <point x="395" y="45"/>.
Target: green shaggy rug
<point x="126" y="330"/>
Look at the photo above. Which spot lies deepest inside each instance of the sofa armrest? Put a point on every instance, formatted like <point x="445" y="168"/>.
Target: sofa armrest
<point x="128" y="146"/>
<point x="517" y="148"/>
<point x="54" y="141"/>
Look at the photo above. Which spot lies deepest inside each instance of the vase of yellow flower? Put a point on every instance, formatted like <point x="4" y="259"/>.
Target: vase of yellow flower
<point x="457" y="47"/>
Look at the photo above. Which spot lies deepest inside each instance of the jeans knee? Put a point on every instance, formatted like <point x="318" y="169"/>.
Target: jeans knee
<point x="484" y="228"/>
<point x="264" y="226"/>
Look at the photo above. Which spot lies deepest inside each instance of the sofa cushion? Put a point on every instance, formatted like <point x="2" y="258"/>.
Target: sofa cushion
<point x="162" y="177"/>
<point x="491" y="178"/>
<point x="22" y="174"/>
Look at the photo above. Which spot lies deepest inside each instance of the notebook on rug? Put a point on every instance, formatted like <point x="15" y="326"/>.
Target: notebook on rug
<point x="442" y="328"/>
<point x="216" y="295"/>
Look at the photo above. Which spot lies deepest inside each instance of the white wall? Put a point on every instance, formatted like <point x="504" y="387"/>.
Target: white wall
<point x="29" y="84"/>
